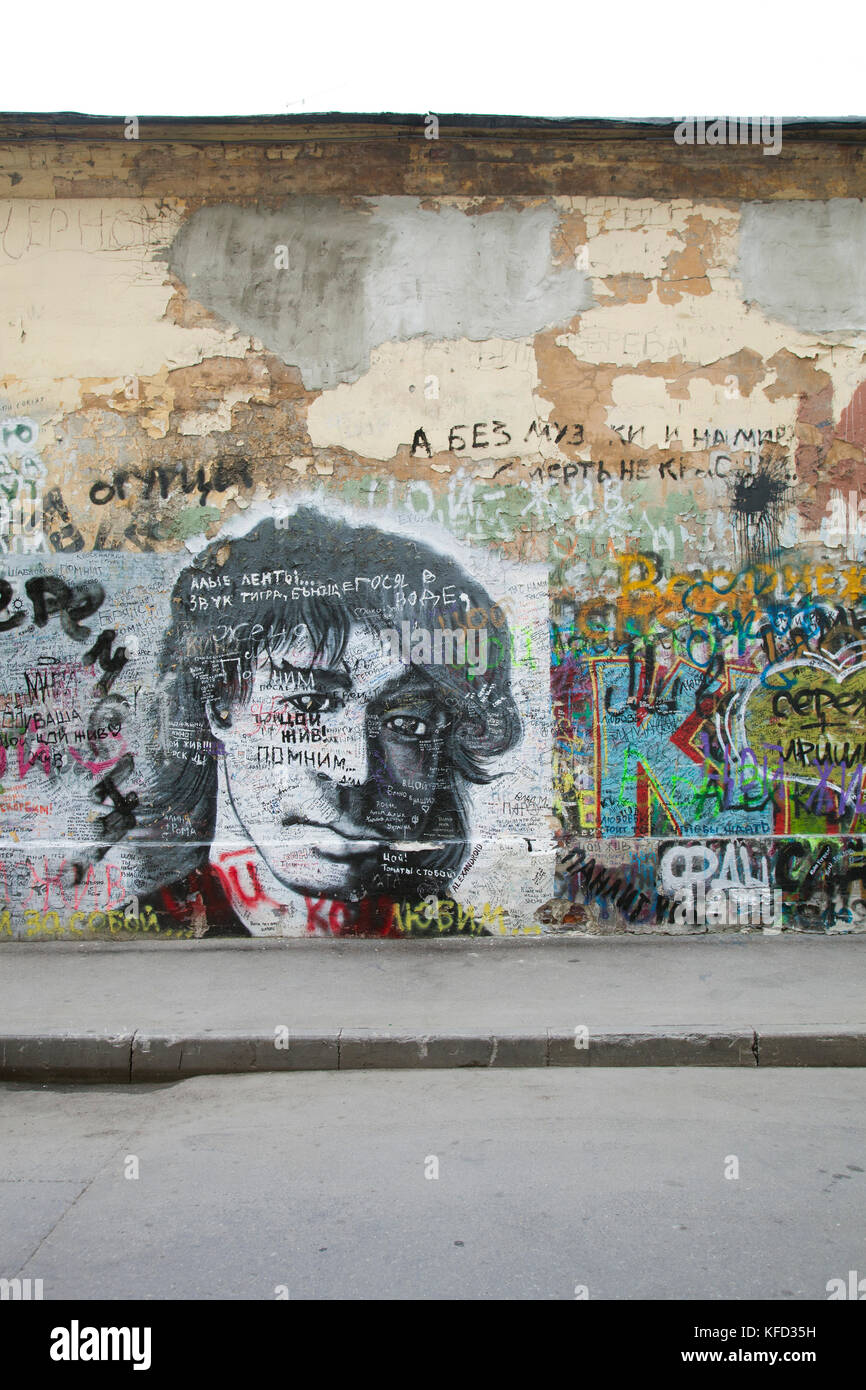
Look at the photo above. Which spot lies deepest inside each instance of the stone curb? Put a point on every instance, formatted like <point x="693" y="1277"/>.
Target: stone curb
<point x="149" y="1056"/>
<point x="161" y="1057"/>
<point x="820" y="1046"/>
<point x="655" y="1047"/>
<point x="65" y="1056"/>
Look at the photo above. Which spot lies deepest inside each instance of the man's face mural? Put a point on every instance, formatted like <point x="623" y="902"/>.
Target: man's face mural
<point x="330" y="693"/>
<point x="330" y="764"/>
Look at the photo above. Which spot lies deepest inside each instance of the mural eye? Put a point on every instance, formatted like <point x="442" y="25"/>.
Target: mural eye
<point x="408" y="725"/>
<point x="313" y="703"/>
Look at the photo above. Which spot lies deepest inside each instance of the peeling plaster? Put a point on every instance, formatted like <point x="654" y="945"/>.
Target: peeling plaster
<point x="435" y="385"/>
<point x="88" y="299"/>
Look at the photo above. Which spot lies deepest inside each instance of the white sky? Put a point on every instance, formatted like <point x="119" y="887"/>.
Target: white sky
<point x="616" y="58"/>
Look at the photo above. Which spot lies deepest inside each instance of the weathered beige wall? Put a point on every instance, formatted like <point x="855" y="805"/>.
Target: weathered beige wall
<point x="613" y="382"/>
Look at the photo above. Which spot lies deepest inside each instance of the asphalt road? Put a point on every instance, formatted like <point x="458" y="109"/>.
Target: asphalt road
<point x="315" y="1185"/>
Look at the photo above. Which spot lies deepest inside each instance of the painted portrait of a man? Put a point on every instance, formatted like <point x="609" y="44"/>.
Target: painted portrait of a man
<point x="329" y="693"/>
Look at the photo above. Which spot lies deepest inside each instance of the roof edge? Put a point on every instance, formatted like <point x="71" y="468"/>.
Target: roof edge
<point x="336" y="125"/>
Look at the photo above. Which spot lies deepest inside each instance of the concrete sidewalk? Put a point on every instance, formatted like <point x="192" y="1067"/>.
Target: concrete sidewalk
<point x="124" y="1011"/>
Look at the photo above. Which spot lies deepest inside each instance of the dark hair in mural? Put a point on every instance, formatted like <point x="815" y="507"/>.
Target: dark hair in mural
<point x="321" y="573"/>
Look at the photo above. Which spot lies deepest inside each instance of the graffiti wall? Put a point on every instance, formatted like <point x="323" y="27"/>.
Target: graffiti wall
<point x="396" y="565"/>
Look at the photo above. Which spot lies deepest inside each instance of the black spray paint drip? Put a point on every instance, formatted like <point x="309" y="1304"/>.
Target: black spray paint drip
<point x="758" y="501"/>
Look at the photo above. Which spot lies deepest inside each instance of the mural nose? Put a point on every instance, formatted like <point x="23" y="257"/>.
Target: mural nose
<point x="355" y="757"/>
<point x="347" y="758"/>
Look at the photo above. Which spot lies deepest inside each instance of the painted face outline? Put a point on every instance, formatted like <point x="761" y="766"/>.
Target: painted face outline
<point x="361" y="761"/>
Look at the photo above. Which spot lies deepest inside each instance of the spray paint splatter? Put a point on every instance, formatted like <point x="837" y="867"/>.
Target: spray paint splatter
<point x="758" y="501"/>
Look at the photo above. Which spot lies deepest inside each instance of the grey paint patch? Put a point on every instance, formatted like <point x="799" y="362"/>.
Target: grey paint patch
<point x="360" y="277"/>
<point x="805" y="263"/>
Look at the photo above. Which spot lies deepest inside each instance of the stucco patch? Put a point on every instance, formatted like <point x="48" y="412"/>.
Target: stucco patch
<point x="805" y="262"/>
<point x="356" y="278"/>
